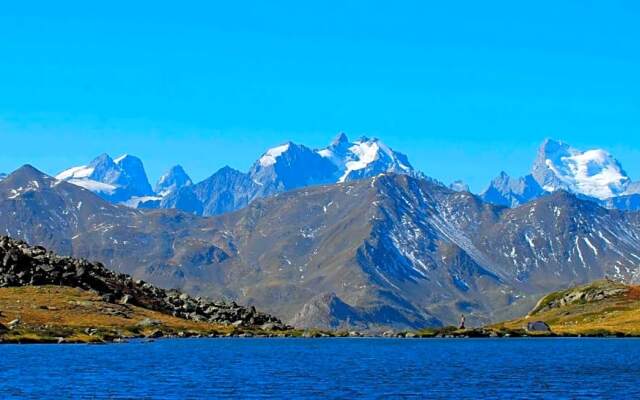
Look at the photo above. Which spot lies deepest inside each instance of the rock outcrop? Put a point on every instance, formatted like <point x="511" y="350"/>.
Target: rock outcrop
<point x="22" y="265"/>
<point x="596" y="291"/>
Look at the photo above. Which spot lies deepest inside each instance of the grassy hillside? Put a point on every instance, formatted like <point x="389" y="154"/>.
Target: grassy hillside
<point x="600" y="308"/>
<point x="48" y="313"/>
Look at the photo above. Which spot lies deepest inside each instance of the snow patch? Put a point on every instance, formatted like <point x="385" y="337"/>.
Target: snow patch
<point x="269" y="158"/>
<point x="94" y="186"/>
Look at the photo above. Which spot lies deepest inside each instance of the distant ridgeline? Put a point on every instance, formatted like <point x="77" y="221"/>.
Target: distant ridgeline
<point x="594" y="175"/>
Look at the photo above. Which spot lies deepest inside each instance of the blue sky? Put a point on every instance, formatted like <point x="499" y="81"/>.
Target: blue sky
<point x="465" y="89"/>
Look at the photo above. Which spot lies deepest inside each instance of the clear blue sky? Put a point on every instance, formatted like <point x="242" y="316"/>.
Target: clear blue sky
<point x="465" y="89"/>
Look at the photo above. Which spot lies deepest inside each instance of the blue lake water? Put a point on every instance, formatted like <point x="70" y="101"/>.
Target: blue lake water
<point x="328" y="368"/>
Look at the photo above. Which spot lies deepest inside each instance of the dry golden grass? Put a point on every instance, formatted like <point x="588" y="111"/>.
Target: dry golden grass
<point x="618" y="315"/>
<point x="52" y="311"/>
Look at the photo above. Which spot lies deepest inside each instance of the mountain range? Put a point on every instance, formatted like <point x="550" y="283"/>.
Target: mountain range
<point x="281" y="168"/>
<point x="593" y="175"/>
<point x="390" y="250"/>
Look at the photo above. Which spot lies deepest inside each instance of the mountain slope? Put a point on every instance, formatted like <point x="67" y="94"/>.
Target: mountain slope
<point x="599" y="308"/>
<point x="506" y="191"/>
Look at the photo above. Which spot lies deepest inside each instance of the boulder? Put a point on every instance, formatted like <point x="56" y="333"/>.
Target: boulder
<point x="538" y="326"/>
<point x="148" y="322"/>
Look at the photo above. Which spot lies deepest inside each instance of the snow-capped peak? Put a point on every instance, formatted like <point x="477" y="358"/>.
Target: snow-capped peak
<point x="270" y="156"/>
<point x="594" y="173"/>
<point x="339" y="140"/>
<point x="363" y="158"/>
<point x="115" y="180"/>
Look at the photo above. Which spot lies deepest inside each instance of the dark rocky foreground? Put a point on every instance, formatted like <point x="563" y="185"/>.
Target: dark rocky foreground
<point x="24" y="265"/>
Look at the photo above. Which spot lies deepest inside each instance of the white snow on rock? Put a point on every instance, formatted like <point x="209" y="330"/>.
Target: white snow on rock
<point x="363" y="154"/>
<point x="114" y="180"/>
<point x="594" y="173"/>
<point x="94" y="186"/>
<point x="269" y="158"/>
<point x="80" y="172"/>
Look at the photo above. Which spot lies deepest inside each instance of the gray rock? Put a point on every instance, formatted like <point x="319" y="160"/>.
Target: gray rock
<point x="538" y="326"/>
<point x="148" y="322"/>
<point x="269" y="326"/>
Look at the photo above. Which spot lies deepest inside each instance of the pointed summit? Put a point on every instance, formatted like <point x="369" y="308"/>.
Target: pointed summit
<point x="26" y="179"/>
<point x="28" y="171"/>
<point x="174" y="179"/>
<point x="340" y="140"/>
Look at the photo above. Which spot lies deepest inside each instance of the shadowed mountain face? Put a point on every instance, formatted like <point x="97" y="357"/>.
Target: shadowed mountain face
<point x="511" y="192"/>
<point x="387" y="251"/>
